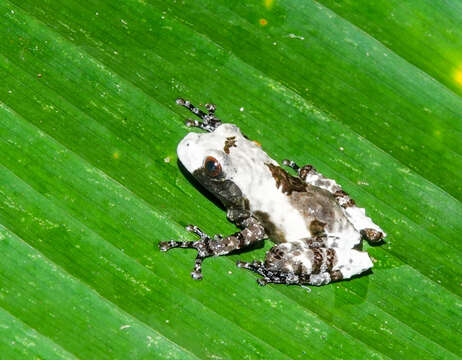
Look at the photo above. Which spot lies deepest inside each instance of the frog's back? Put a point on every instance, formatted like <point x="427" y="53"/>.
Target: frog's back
<point x="295" y="210"/>
<point x="324" y="217"/>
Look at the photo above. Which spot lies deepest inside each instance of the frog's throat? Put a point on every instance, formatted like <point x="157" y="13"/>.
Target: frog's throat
<point x="223" y="189"/>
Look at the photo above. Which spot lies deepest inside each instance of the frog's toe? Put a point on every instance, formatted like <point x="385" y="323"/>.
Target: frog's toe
<point x="167" y="245"/>
<point x="195" y="229"/>
<point x="196" y="275"/>
<point x="263" y="281"/>
<point x="163" y="246"/>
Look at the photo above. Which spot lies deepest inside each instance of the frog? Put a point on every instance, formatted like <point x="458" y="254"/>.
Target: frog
<point x="316" y="227"/>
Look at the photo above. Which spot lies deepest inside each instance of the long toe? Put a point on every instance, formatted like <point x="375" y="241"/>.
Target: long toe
<point x="164" y="245"/>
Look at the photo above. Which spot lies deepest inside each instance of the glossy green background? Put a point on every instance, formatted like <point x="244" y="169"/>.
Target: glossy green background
<point x="89" y="182"/>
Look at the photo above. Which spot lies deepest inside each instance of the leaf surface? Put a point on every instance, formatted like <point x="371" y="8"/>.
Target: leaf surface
<point x="89" y="180"/>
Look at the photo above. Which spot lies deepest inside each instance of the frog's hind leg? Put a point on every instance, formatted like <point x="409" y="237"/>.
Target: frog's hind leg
<point x="209" y="121"/>
<point x="275" y="277"/>
<point x="357" y="216"/>
<point x="298" y="263"/>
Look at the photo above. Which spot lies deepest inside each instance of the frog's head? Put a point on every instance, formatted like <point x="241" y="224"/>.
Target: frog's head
<point x="215" y="160"/>
<point x="224" y="161"/>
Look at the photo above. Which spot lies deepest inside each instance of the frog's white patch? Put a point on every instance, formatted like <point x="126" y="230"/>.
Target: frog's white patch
<point x="360" y="221"/>
<point x="352" y="262"/>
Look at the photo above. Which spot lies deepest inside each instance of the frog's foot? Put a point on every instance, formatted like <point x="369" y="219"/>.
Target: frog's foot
<point x="289" y="277"/>
<point x="275" y="277"/>
<point x="374" y="236"/>
<point x="202" y="246"/>
<point x="209" y="121"/>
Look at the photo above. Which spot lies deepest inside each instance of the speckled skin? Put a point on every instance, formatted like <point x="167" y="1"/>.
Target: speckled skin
<point x="316" y="225"/>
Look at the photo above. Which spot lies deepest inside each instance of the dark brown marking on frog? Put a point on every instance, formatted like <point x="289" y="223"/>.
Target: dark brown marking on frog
<point x="317" y="260"/>
<point x="331" y="259"/>
<point x="305" y="170"/>
<point x="298" y="268"/>
<point x="271" y="229"/>
<point x="229" y="142"/>
<point x="344" y="199"/>
<point x="288" y="182"/>
<point x="275" y="259"/>
<point x="336" y="275"/>
<point x="317" y="228"/>
<point x="316" y="204"/>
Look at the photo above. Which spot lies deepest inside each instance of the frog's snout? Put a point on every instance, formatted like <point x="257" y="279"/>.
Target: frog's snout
<point x="186" y="152"/>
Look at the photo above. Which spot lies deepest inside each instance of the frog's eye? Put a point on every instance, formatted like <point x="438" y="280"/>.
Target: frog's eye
<point x="212" y="166"/>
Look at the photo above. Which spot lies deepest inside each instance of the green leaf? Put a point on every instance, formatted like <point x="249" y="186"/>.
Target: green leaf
<point x="368" y="92"/>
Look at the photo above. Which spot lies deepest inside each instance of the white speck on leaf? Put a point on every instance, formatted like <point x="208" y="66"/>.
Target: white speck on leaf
<point x="150" y="340"/>
<point x="363" y="183"/>
<point x="293" y="36"/>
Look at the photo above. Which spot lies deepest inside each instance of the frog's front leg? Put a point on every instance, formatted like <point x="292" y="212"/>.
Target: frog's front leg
<point x="357" y="216"/>
<point x="206" y="246"/>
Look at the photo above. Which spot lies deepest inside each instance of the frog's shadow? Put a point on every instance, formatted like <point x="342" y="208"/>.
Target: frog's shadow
<point x="212" y="198"/>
